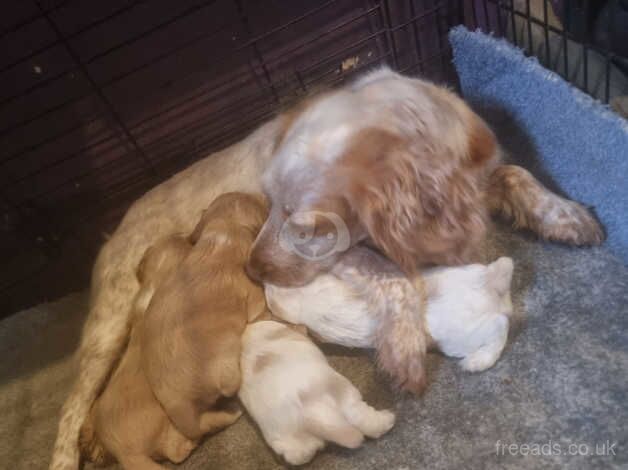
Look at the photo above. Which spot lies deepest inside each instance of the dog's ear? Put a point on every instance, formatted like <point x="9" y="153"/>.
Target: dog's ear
<point x="393" y="197"/>
<point x="413" y="198"/>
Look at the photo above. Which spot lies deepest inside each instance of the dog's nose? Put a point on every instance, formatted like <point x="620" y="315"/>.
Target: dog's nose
<point x="255" y="270"/>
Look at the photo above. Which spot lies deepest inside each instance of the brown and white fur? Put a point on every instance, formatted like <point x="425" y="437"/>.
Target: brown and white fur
<point x="297" y="399"/>
<point x="191" y="337"/>
<point x="405" y="166"/>
<point x="420" y="191"/>
<point x="126" y="421"/>
<point x="467" y="315"/>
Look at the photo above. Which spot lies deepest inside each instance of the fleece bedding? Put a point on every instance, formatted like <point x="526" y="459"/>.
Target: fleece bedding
<point x="556" y="399"/>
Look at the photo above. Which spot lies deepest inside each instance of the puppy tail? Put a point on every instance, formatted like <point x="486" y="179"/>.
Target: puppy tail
<point x="516" y="195"/>
<point x="90" y="446"/>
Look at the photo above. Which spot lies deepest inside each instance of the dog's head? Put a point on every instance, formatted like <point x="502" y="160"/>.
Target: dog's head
<point x="392" y="160"/>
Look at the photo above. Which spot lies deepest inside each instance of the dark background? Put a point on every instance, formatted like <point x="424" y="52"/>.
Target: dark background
<point x="101" y="100"/>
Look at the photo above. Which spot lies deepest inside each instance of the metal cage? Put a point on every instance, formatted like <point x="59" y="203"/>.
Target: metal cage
<point x="102" y="100"/>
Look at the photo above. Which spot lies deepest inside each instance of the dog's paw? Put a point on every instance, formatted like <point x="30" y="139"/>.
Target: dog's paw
<point x="569" y="222"/>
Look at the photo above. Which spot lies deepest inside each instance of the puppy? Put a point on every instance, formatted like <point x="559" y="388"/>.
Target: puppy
<point x="297" y="399"/>
<point x="126" y="421"/>
<point x="191" y="339"/>
<point x="469" y="311"/>
<point x="467" y="314"/>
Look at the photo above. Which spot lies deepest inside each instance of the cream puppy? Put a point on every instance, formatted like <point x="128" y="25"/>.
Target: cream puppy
<point x="297" y="399"/>
<point x="467" y="315"/>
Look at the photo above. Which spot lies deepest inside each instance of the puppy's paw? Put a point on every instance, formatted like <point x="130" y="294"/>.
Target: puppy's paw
<point x="182" y="451"/>
<point x="479" y="360"/>
<point x="298" y="451"/>
<point x="379" y="424"/>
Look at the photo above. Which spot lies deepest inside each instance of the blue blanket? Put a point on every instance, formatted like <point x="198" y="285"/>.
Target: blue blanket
<point x="578" y="142"/>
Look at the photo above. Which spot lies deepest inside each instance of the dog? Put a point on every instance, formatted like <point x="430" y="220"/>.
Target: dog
<point x="409" y="168"/>
<point x="403" y="164"/>
<point x="127" y="422"/>
<point x="191" y="337"/>
<point x="297" y="399"/>
<point x="468" y="307"/>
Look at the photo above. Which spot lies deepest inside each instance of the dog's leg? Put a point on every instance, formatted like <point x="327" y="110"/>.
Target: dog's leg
<point x="104" y="336"/>
<point x="401" y="337"/>
<point x="516" y="195"/>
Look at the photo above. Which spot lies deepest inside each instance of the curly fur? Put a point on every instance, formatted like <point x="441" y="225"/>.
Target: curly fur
<point x="400" y="336"/>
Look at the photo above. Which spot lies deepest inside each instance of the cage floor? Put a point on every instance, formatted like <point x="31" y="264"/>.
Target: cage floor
<point x="562" y="379"/>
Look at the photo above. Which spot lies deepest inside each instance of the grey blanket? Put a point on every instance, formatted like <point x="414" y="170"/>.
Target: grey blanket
<point x="560" y="387"/>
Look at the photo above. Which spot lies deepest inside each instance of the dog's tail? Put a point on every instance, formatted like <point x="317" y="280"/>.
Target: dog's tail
<point x="105" y="334"/>
<point x="90" y="446"/>
<point x="514" y="194"/>
<point x="401" y="337"/>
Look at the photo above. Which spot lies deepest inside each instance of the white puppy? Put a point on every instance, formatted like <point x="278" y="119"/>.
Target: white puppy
<point x="297" y="399"/>
<point x="467" y="315"/>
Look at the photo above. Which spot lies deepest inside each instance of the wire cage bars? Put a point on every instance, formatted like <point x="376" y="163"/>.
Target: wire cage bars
<point x="102" y="100"/>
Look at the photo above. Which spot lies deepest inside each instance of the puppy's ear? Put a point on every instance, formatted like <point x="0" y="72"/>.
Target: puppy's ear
<point x="256" y="302"/>
<point x="140" y="272"/>
<point x="196" y="233"/>
<point x="499" y="274"/>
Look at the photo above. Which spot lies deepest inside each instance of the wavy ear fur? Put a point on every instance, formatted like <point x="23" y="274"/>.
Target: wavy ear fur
<point x="419" y="205"/>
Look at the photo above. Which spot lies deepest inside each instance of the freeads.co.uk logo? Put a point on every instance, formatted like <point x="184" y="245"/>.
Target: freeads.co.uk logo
<point x="301" y="234"/>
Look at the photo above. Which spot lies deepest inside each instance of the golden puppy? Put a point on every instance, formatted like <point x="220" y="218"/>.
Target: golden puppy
<point x="191" y="339"/>
<point x="127" y="421"/>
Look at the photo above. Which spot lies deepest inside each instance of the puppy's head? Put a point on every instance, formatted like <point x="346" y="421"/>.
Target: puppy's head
<point x="241" y="210"/>
<point x="229" y="226"/>
<point x="161" y="258"/>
